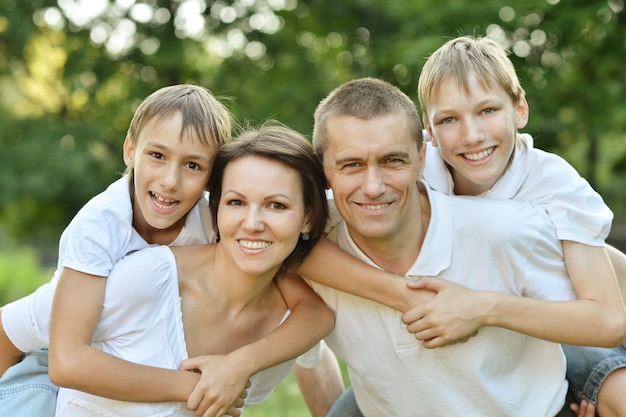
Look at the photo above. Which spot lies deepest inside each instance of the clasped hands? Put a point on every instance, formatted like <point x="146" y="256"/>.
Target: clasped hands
<point x="222" y="387"/>
<point x="453" y="314"/>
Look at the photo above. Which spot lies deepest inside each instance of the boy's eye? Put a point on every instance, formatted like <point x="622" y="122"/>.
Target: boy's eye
<point x="489" y="110"/>
<point x="447" y="120"/>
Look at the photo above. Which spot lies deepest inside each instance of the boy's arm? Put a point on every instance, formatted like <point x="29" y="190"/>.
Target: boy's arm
<point x="329" y="265"/>
<point x="9" y="354"/>
<point x="74" y="362"/>
<point x="598" y="312"/>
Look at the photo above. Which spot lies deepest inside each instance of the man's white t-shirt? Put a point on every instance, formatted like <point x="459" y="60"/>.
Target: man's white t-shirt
<point x="482" y="244"/>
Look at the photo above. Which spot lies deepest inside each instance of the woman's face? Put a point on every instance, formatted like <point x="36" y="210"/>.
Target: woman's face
<point x="261" y="213"/>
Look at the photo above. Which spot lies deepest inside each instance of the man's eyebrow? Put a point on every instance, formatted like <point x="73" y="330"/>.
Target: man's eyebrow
<point x="346" y="159"/>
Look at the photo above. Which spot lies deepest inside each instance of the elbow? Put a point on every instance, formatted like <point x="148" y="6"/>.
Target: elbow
<point x="61" y="368"/>
<point x="328" y="319"/>
<point x="616" y="331"/>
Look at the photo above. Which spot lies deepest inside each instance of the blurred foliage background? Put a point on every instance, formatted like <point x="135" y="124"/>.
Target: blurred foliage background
<point x="73" y="71"/>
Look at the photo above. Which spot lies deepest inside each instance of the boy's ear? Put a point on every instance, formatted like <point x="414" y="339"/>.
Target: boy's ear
<point x="129" y="152"/>
<point x="522" y="113"/>
<point x="430" y="135"/>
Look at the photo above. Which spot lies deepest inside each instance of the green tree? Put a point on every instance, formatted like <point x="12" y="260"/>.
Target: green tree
<point x="72" y="74"/>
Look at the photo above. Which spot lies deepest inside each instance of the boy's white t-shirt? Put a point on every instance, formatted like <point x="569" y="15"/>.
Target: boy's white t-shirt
<point x="98" y="236"/>
<point x="544" y="179"/>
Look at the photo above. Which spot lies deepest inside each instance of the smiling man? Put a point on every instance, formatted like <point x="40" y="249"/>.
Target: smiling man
<point x="498" y="267"/>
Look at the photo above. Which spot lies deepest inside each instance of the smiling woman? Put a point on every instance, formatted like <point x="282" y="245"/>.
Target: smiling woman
<point x="235" y="287"/>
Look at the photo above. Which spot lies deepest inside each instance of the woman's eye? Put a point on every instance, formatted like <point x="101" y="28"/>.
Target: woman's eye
<point x="277" y="206"/>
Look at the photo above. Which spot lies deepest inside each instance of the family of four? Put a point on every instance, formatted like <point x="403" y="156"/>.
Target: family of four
<point x="486" y="303"/>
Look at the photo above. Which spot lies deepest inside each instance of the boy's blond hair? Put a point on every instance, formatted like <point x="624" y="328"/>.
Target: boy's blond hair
<point x="462" y="57"/>
<point x="204" y="116"/>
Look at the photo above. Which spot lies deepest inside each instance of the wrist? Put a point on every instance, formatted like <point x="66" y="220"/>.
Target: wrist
<point x="490" y="314"/>
<point x="185" y="385"/>
<point x="249" y="358"/>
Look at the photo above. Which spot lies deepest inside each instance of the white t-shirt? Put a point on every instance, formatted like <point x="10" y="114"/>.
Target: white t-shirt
<point x="141" y="321"/>
<point x="546" y="180"/>
<point x="98" y="236"/>
<point x="483" y="244"/>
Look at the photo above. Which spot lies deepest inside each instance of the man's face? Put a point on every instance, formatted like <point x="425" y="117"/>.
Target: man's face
<point x="475" y="132"/>
<point x="373" y="167"/>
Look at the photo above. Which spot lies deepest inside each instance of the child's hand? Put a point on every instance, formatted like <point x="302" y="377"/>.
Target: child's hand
<point x="452" y="316"/>
<point x="584" y="409"/>
<point x="222" y="387"/>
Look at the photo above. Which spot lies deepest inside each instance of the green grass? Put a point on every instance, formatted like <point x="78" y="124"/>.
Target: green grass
<point x="20" y="273"/>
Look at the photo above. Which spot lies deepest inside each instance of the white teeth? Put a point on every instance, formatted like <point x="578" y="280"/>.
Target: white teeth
<point x="163" y="202"/>
<point x="479" y="155"/>
<point x="254" y="245"/>
<point x="374" y="206"/>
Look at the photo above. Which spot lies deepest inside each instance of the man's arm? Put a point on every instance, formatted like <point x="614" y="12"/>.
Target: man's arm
<point x="320" y="385"/>
<point x="618" y="259"/>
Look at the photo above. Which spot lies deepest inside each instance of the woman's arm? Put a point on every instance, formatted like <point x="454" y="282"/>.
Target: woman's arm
<point x="329" y="265"/>
<point x="74" y="363"/>
<point x="598" y="313"/>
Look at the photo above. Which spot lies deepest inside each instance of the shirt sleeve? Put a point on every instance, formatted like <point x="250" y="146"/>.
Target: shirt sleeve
<point x="577" y="211"/>
<point x="96" y="239"/>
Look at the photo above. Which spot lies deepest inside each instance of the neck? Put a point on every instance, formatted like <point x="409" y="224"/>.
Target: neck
<point x="210" y="275"/>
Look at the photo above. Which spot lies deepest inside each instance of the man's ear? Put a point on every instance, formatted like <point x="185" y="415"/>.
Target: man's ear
<point x="129" y="152"/>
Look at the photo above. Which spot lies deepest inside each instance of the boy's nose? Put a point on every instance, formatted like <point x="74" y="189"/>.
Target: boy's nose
<point x="171" y="179"/>
<point x="472" y="132"/>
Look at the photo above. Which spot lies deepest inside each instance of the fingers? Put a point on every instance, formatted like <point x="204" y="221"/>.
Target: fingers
<point x="188" y="365"/>
<point x="440" y="341"/>
<point x="584" y="409"/>
<point x="206" y="404"/>
<point x="430" y="283"/>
